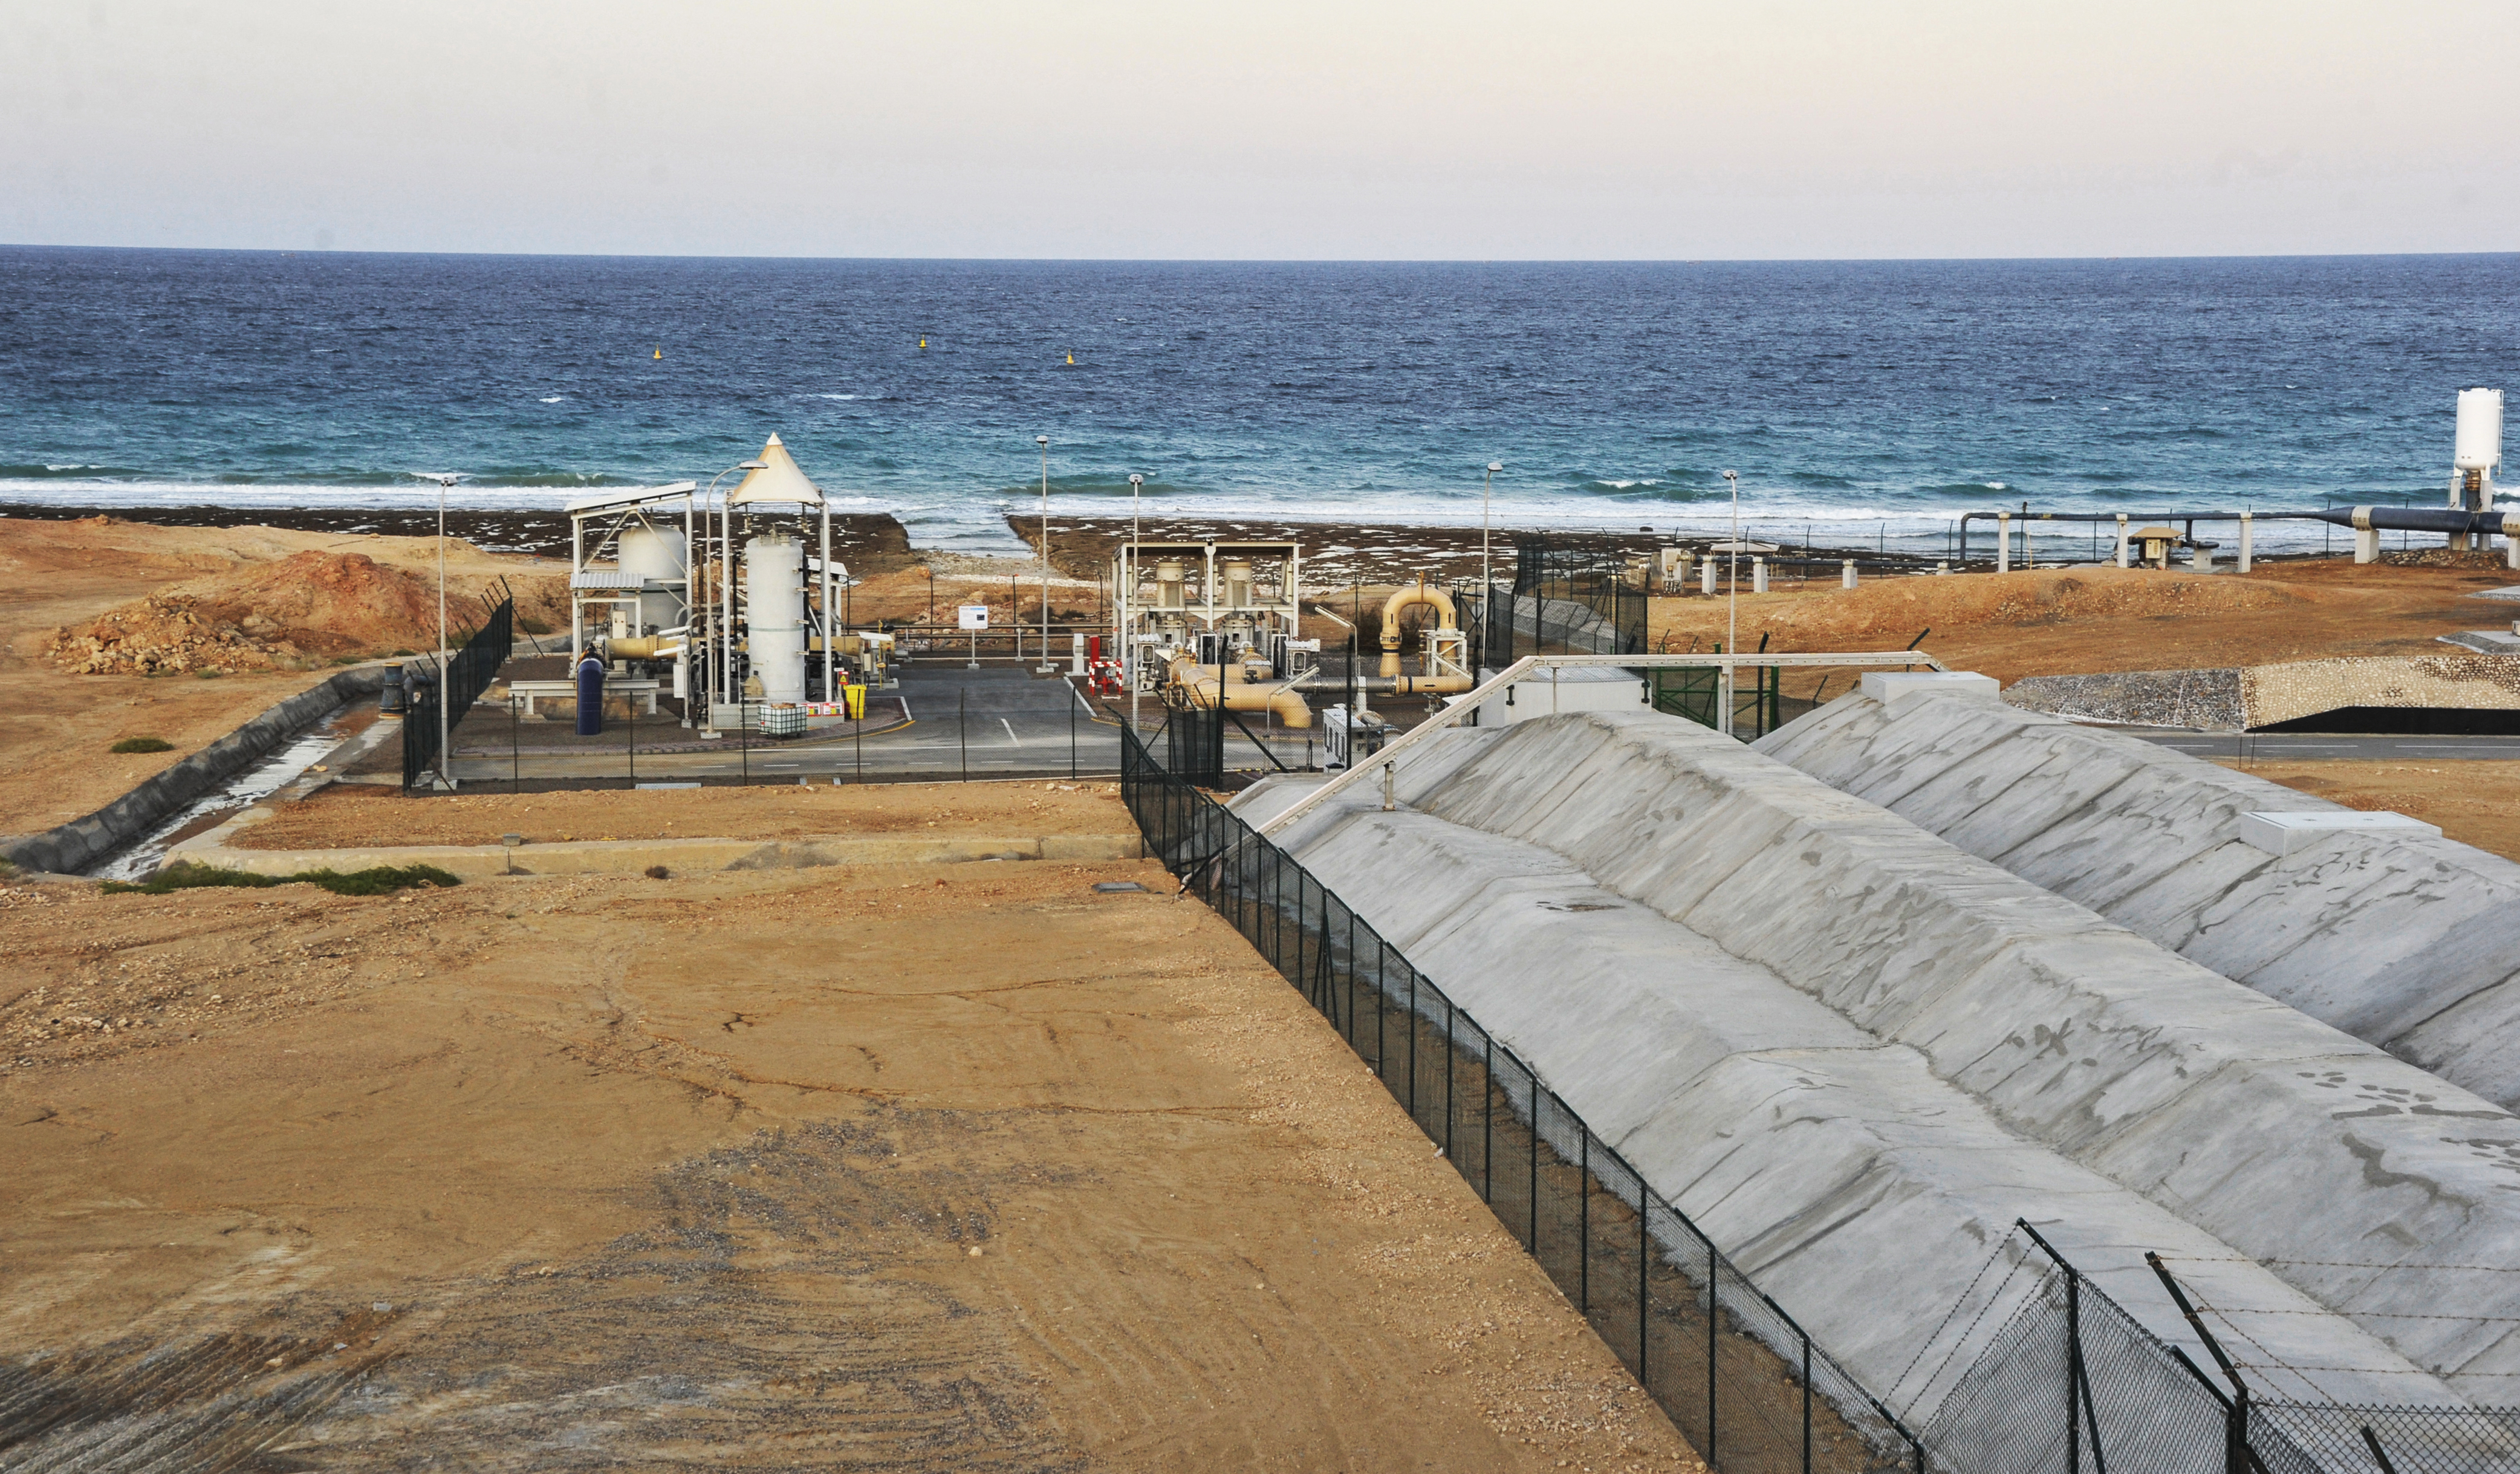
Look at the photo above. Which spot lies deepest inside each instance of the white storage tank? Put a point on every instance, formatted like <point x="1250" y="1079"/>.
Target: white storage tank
<point x="2478" y="446"/>
<point x="775" y="615"/>
<point x="656" y="557"/>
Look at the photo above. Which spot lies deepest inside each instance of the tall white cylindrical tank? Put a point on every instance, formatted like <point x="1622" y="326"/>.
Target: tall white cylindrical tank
<point x="775" y="615"/>
<point x="659" y="555"/>
<point x="2478" y="446"/>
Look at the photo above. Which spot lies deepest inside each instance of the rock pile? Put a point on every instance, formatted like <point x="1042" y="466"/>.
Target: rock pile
<point x="299" y="611"/>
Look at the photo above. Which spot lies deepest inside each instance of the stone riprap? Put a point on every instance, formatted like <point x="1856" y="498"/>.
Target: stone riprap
<point x="2024" y="1027"/>
<point x="2207" y="701"/>
<point x="2409" y="942"/>
<point x="2231" y="698"/>
<point x="2300" y="689"/>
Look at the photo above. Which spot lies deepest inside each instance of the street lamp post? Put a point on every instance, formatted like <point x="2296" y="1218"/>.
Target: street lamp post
<point x="1127" y="657"/>
<point x="443" y="480"/>
<point x="1733" y="600"/>
<point x="1487" y="570"/>
<point x="1044" y="442"/>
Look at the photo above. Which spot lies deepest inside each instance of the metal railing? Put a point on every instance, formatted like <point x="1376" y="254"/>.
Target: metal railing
<point x="468" y="674"/>
<point x="1743" y="1383"/>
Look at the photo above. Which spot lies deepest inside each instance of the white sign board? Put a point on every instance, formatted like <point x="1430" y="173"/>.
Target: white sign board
<point x="976" y="617"/>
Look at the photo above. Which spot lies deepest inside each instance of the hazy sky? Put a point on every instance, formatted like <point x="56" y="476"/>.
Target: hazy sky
<point x="1284" y="128"/>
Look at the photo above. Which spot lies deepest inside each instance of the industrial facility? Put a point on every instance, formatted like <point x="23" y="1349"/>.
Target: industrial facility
<point x="731" y="601"/>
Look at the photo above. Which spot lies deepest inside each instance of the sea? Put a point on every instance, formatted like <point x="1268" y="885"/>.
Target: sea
<point x="1858" y="401"/>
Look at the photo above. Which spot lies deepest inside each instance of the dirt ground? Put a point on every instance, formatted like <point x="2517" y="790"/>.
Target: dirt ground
<point x="2077" y="620"/>
<point x="55" y="727"/>
<point x="2475" y="803"/>
<point x="960" y="1166"/>
<point x="344" y="816"/>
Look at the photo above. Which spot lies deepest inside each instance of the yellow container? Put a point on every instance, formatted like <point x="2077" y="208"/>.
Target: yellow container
<point x="857" y="701"/>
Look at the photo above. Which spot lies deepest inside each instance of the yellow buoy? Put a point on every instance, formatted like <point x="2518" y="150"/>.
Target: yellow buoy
<point x="1071" y="360"/>
<point x="922" y="342"/>
<point x="660" y="352"/>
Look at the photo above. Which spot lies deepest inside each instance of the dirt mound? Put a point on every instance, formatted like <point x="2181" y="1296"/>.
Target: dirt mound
<point x="1895" y="609"/>
<point x="305" y="609"/>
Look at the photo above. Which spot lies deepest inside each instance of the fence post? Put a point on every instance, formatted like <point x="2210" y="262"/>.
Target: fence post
<point x="1713" y="1269"/>
<point x="1807" y="1396"/>
<point x="2073" y="1372"/>
<point x="1413" y="1043"/>
<point x="1450" y="1066"/>
<point x="1531" y="1090"/>
<point x="1584" y="1217"/>
<point x="1644" y="1261"/>
<point x="962" y="728"/>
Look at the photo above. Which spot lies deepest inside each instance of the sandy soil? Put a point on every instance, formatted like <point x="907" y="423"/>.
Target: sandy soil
<point x="2059" y="621"/>
<point x="935" y="1167"/>
<point x="2475" y="803"/>
<point x="365" y="814"/>
<point x="55" y="727"/>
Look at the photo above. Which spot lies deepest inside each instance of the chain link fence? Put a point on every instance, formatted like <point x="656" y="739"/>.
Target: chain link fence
<point x="2071" y="1382"/>
<point x="2068" y="1382"/>
<point x="468" y="674"/>
<point x="1742" y="1381"/>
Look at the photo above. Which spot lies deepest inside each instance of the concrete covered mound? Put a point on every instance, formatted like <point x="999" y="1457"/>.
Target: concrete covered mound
<point x="1856" y="1054"/>
<point x="2406" y="940"/>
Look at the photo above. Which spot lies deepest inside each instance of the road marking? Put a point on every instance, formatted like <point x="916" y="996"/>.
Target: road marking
<point x="1010" y="731"/>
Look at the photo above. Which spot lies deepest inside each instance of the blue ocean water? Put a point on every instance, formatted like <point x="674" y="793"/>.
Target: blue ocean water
<point x="1860" y="395"/>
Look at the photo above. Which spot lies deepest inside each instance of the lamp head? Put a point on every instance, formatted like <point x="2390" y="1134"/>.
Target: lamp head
<point x="1731" y="475"/>
<point x="1493" y="467"/>
<point x="1041" y="439"/>
<point x="752" y="465"/>
<point x="1136" y="479"/>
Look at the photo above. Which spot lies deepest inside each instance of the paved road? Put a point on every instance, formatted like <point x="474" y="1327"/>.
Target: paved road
<point x="2305" y="745"/>
<point x="995" y="722"/>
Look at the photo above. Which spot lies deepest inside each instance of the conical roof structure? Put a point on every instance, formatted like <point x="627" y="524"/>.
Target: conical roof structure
<point x="778" y="480"/>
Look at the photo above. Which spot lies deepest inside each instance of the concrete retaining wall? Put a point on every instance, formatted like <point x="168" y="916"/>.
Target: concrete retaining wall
<point x="82" y="842"/>
<point x="2291" y="1142"/>
<point x="2408" y="943"/>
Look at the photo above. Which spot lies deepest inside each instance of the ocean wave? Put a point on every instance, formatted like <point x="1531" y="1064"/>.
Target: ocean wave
<point x="71" y="470"/>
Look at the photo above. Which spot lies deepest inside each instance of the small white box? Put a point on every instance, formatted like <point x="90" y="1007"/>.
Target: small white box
<point x="1895" y="688"/>
<point x="2283" y="831"/>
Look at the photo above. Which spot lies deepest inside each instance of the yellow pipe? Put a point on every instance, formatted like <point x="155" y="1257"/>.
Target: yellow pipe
<point x="644" y="647"/>
<point x="1402" y="598"/>
<point x="1239" y="694"/>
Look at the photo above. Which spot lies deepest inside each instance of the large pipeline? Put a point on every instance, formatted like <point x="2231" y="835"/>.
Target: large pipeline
<point x="1447" y="620"/>
<point x="1240" y="694"/>
<point x="2447" y="521"/>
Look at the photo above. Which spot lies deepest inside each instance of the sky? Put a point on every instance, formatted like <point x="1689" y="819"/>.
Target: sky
<point x="1466" y="129"/>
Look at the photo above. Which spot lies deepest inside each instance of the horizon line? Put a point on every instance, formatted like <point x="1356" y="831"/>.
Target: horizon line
<point x="1835" y="260"/>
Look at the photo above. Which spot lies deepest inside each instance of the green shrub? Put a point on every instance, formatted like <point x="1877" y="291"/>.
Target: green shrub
<point x="144" y="744"/>
<point x="210" y="675"/>
<point x="380" y="880"/>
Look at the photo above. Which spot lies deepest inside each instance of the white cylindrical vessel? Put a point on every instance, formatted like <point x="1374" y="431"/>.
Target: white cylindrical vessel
<point x="773" y="593"/>
<point x="2478" y="446"/>
<point x="656" y="557"/>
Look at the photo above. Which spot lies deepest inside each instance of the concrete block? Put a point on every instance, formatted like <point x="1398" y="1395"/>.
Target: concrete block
<point x="2279" y="834"/>
<point x="1895" y="688"/>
